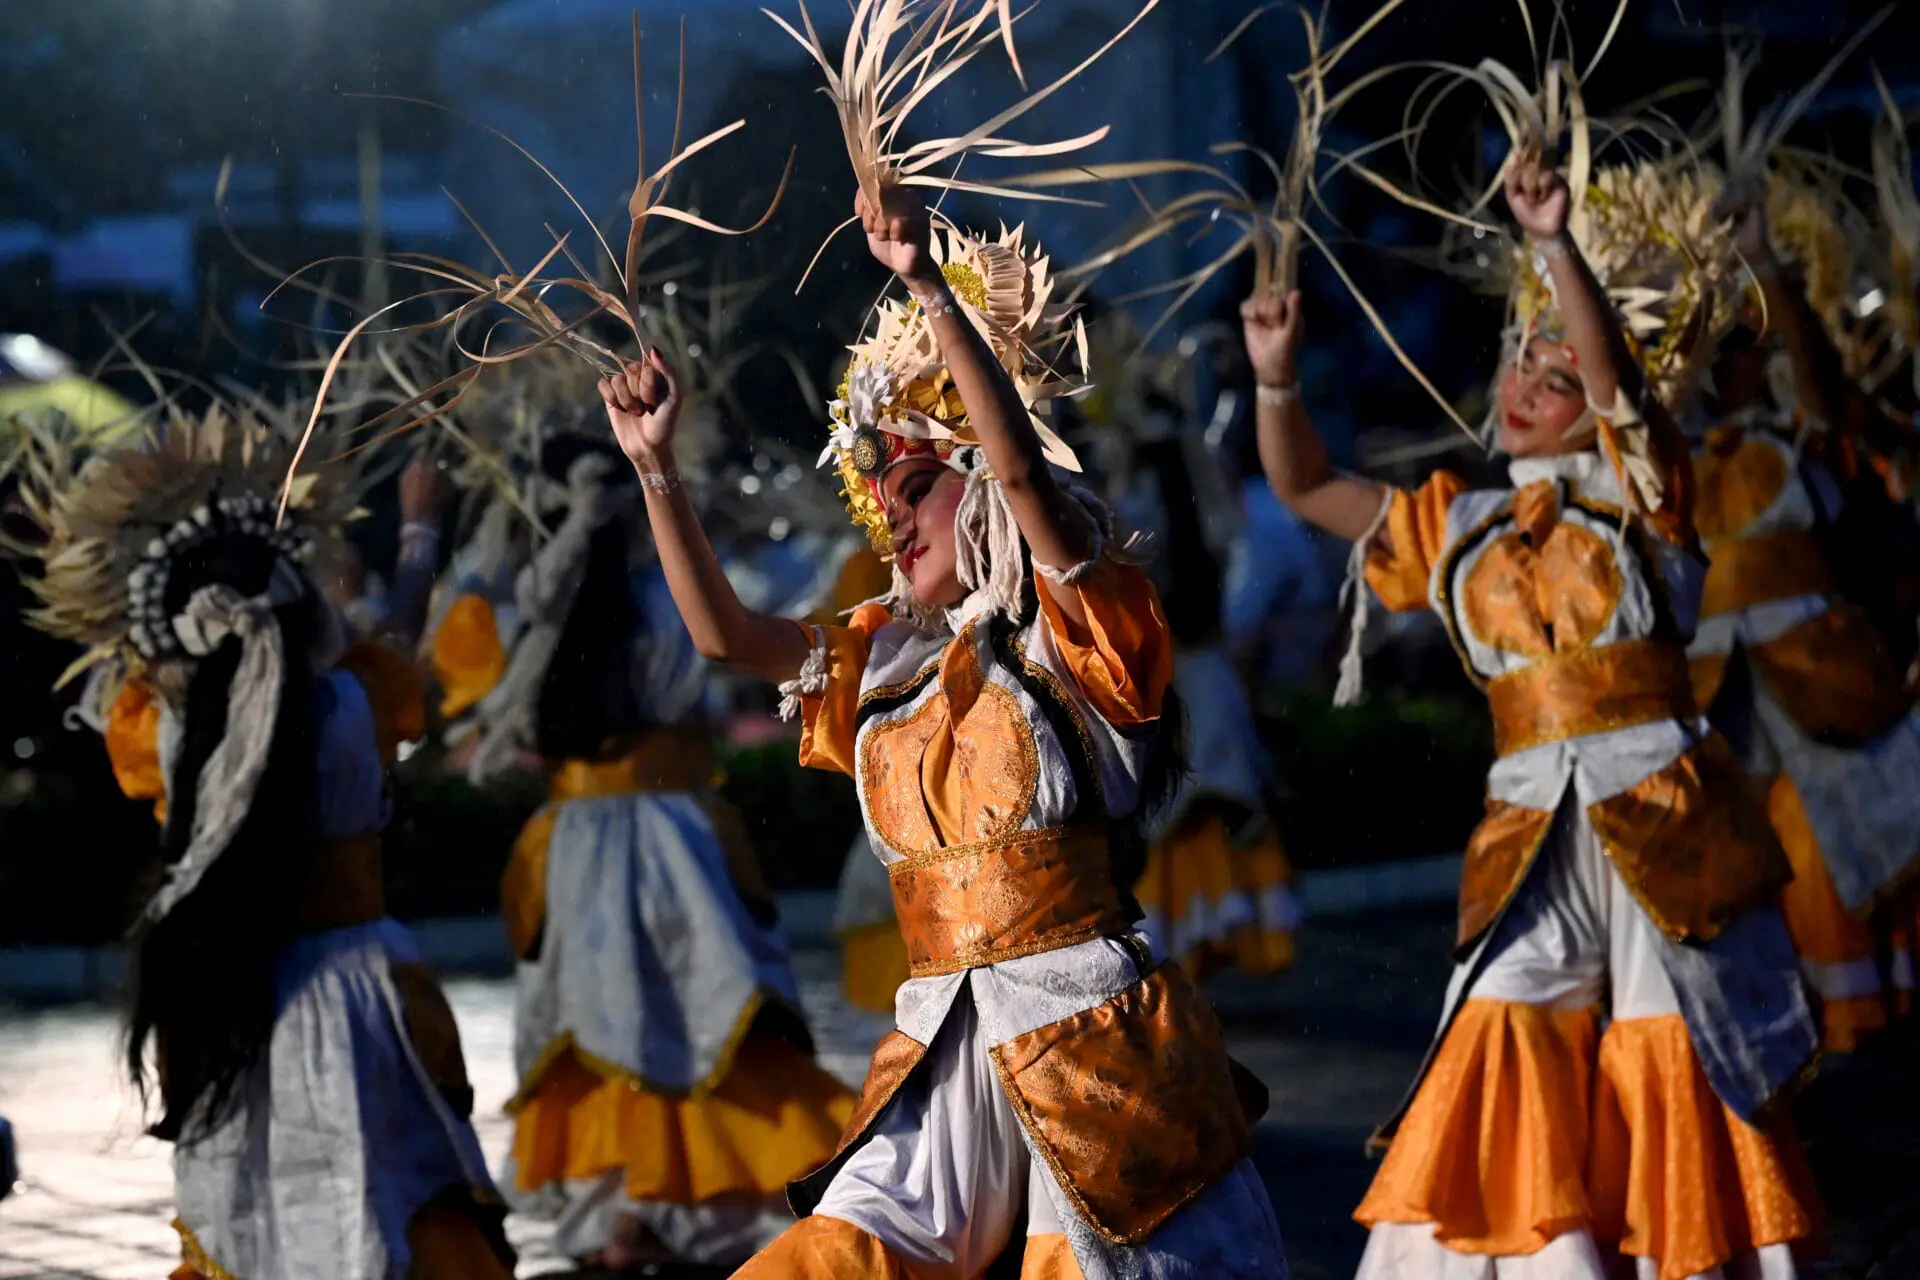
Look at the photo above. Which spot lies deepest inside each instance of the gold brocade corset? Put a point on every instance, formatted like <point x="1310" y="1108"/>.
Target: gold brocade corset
<point x="1555" y="617"/>
<point x="1001" y="898"/>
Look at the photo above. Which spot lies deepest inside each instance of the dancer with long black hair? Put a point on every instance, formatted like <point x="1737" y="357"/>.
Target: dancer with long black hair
<point x="668" y="1089"/>
<point x="305" y="1065"/>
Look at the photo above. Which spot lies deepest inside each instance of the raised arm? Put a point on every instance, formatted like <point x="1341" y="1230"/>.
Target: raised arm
<point x="1055" y="527"/>
<point x="1609" y="372"/>
<point x="423" y="497"/>
<point x="643" y="405"/>
<point x="1291" y="453"/>
<point x="1819" y="378"/>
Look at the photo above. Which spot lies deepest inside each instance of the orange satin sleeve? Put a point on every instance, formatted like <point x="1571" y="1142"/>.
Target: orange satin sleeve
<point x="1400" y="561"/>
<point x="133" y="746"/>
<point x="827" y="718"/>
<point x="468" y="658"/>
<point x="1122" y="657"/>
<point x="394" y="691"/>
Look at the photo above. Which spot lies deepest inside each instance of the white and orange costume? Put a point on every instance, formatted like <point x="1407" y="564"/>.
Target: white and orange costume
<point x="1625" y="1009"/>
<point x="666" y="1071"/>
<point x="1799" y="679"/>
<point x="1625" y="1015"/>
<point x="1044" y="1053"/>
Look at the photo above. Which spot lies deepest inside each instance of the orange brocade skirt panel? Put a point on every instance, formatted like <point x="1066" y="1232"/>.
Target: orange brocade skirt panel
<point x="1524" y="1129"/>
<point x="776" y="1116"/>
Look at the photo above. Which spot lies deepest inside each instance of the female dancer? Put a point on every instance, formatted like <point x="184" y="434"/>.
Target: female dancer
<point x="308" y="1070"/>
<point x="668" y="1090"/>
<point x="1621" y="867"/>
<point x="1002" y="734"/>
<point x="1796" y="674"/>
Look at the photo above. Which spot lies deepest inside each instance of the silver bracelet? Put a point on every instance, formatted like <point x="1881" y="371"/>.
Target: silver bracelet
<point x="940" y="303"/>
<point x="418" y="538"/>
<point x="1552" y="247"/>
<point x="660" y="481"/>
<point x="1279" y="395"/>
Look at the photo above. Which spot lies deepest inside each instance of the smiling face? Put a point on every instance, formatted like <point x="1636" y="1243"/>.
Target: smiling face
<point x="1541" y="399"/>
<point x="921" y="496"/>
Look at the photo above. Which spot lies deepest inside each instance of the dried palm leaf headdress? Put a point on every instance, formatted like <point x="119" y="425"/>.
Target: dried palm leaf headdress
<point x="898" y="400"/>
<point x="117" y="525"/>
<point x="1647" y="229"/>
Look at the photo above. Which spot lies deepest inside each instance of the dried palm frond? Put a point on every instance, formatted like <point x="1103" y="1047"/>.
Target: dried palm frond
<point x="1272" y="230"/>
<point x="463" y="295"/>
<point x="897" y="53"/>
<point x="1750" y="143"/>
<point x="1898" y="208"/>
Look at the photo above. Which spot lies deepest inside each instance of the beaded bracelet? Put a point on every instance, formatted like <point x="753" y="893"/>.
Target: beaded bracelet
<point x="660" y="481"/>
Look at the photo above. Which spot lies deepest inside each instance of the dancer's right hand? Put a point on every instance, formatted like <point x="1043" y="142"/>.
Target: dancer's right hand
<point x="643" y="406"/>
<point x="1272" y="322"/>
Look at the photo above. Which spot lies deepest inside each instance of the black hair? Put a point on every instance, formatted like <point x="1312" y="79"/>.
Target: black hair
<point x="587" y="704"/>
<point x="203" y="976"/>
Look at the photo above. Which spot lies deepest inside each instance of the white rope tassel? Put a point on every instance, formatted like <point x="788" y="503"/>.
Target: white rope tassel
<point x="811" y="681"/>
<point x="1355" y="594"/>
<point x="988" y="550"/>
<point x="232" y="772"/>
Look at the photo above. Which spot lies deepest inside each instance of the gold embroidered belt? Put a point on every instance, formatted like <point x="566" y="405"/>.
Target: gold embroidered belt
<point x="1745" y="572"/>
<point x="658" y="760"/>
<point x="1569" y="695"/>
<point x="1013" y="895"/>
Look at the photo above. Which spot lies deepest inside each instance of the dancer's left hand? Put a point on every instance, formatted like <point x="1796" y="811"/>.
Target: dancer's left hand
<point x="899" y="233"/>
<point x="1539" y="198"/>
<point x="424" y="487"/>
<point x="1744" y="206"/>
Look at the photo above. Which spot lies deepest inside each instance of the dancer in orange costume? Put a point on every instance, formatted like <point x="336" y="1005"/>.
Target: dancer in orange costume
<point x="1217" y="888"/>
<point x="1794" y="672"/>
<point x="1002" y="726"/>
<point x="1622" y="868"/>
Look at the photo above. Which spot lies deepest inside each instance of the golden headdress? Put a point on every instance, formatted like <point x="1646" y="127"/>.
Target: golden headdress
<point x="1650" y="234"/>
<point x="898" y="400"/>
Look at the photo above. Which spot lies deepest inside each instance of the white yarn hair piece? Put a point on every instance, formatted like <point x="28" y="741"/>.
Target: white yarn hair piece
<point x="811" y="681"/>
<point x="1355" y="594"/>
<point x="231" y="774"/>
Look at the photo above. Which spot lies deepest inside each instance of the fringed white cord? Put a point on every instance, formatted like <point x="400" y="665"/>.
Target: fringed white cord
<point x="1355" y="595"/>
<point x="988" y="550"/>
<point x="812" y="680"/>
